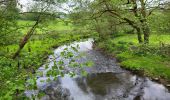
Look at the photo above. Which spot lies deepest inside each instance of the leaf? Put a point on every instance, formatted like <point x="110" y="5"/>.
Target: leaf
<point x="49" y="73"/>
<point x="48" y="80"/>
<point x="72" y="74"/>
<point x="7" y="82"/>
<point x="31" y="81"/>
<point x="46" y="66"/>
<point x="65" y="49"/>
<point x="40" y="74"/>
<point x="62" y="53"/>
<point x="60" y="62"/>
<point x="62" y="74"/>
<point x="61" y="67"/>
<point x="21" y="87"/>
<point x="89" y="64"/>
<point x="74" y="48"/>
<point x="83" y="73"/>
<point x="70" y="54"/>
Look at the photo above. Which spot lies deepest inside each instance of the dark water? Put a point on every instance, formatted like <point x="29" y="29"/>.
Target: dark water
<point x="105" y="81"/>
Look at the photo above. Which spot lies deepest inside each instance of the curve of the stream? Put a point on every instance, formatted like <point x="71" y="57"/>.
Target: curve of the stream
<point x="105" y="80"/>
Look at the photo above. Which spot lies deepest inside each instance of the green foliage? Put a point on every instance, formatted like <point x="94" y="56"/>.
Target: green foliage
<point x="14" y="73"/>
<point x="160" y="22"/>
<point x="7" y="26"/>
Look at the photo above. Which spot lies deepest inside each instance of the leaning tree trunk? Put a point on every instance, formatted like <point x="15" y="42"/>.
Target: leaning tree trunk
<point x="25" y="39"/>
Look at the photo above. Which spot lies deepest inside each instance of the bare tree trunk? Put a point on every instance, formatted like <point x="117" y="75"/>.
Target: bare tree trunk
<point x="25" y="39"/>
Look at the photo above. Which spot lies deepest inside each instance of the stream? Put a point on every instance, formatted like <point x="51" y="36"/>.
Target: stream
<point x="106" y="80"/>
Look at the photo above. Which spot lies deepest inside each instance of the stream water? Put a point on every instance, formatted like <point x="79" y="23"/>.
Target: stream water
<point x="105" y="81"/>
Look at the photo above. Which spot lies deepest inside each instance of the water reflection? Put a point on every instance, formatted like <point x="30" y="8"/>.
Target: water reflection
<point x="76" y="92"/>
<point x="111" y="86"/>
<point x="97" y="86"/>
<point x="100" y="83"/>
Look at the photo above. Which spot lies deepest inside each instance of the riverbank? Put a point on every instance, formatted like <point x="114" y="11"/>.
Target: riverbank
<point x="149" y="60"/>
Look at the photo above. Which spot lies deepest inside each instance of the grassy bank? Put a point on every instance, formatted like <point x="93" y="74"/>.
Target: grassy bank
<point x="14" y="72"/>
<point x="151" y="60"/>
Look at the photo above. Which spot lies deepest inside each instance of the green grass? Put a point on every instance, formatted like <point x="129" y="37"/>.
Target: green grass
<point x="145" y="59"/>
<point x="55" y="25"/>
<point x="60" y="25"/>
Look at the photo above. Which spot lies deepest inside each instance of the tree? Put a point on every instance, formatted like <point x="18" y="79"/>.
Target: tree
<point x="133" y="12"/>
<point x="44" y="9"/>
